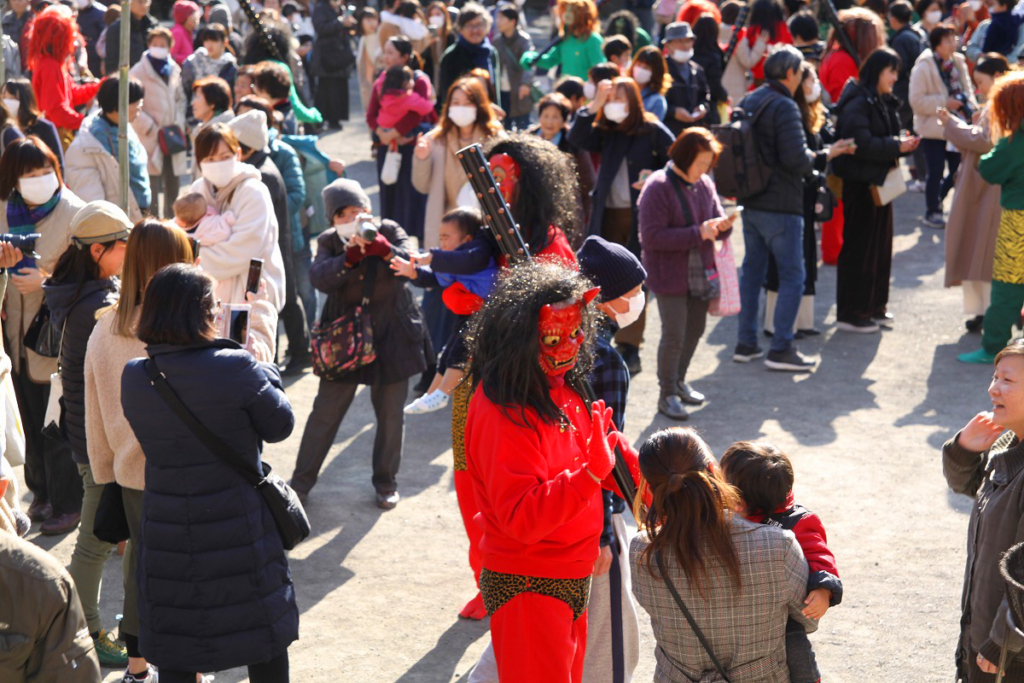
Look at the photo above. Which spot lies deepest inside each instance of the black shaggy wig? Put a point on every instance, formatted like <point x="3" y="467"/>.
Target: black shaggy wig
<point x="255" y="51"/>
<point x="504" y="343"/>
<point x="548" y="192"/>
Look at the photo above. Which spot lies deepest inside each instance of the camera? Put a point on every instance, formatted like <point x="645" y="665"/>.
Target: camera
<point x="27" y="243"/>
<point x="366" y="230"/>
<point x="965" y="109"/>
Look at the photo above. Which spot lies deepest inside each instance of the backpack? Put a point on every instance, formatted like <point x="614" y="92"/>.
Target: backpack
<point x="741" y="171"/>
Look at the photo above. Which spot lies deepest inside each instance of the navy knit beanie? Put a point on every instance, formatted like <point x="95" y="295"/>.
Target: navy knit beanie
<point x="610" y="266"/>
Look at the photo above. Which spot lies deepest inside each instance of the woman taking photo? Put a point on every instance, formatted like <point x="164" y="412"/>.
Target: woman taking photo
<point x="33" y="198"/>
<point x="630" y="142"/>
<point x="20" y="100"/>
<point x="867" y="114"/>
<point x="741" y="581"/>
<point x="442" y="38"/>
<point x="401" y="202"/>
<point x="554" y="111"/>
<point x="984" y="461"/>
<point x="344" y="262"/>
<point x="669" y="231"/>
<point x="209" y="549"/>
<point x="974" y="215"/>
<point x="650" y="72"/>
<point x="84" y="281"/>
<point x="230" y="185"/>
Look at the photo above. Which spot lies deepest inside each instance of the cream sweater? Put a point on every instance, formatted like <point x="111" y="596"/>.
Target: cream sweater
<point x="114" y="452"/>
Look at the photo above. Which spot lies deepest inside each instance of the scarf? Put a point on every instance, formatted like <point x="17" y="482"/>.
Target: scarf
<point x="161" y="66"/>
<point x="479" y="54"/>
<point x="22" y="220"/>
<point x="950" y="76"/>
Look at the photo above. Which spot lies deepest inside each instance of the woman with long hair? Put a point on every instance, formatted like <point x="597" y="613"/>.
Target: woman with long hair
<point x="442" y="37"/>
<point x="650" y="71"/>
<point x="578" y="46"/>
<point x="741" y="581"/>
<point x="20" y="100"/>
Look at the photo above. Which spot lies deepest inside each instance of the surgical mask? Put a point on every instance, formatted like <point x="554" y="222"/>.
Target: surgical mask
<point x="975" y="5"/>
<point x="462" y="116"/>
<point x="39" y="189"/>
<point x="933" y="17"/>
<point x="682" y="56"/>
<point x="815" y="92"/>
<point x="159" y="52"/>
<point x="616" y="112"/>
<point x="589" y="90"/>
<point x="82" y="4"/>
<point x="346" y="229"/>
<point x="632" y="314"/>
<point x="436" y="20"/>
<point x="12" y="106"/>
<point x="642" y="75"/>
<point x="219" y="173"/>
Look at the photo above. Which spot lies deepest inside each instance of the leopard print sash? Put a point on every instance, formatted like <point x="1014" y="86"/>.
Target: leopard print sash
<point x="497" y="589"/>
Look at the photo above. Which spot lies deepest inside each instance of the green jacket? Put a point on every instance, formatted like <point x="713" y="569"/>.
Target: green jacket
<point x="1004" y="165"/>
<point x="576" y="57"/>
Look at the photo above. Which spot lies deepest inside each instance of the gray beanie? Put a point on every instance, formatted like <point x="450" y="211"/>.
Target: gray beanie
<point x="220" y="14"/>
<point x="341" y="193"/>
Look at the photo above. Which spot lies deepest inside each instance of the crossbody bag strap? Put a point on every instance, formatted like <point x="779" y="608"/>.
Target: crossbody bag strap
<point x="209" y="439"/>
<point x="371" y="280"/>
<point x="676" y="182"/>
<point x="689" y="618"/>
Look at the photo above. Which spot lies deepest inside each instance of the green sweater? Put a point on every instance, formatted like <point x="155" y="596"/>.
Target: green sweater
<point x="1004" y="165"/>
<point x="576" y="57"/>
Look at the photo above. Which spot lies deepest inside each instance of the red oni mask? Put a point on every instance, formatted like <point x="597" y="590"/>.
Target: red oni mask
<point x="506" y="173"/>
<point x="560" y="333"/>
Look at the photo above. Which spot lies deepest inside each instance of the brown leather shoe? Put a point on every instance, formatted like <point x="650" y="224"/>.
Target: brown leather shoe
<point x="39" y="510"/>
<point x="388" y="501"/>
<point x="61" y="524"/>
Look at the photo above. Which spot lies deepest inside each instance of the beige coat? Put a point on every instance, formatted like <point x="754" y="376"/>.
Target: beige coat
<point x="737" y="79"/>
<point x="164" y="105"/>
<point x="928" y="92"/>
<point x="114" y="452"/>
<point x="21" y="309"/>
<point x="974" y="216"/>
<point x="92" y="173"/>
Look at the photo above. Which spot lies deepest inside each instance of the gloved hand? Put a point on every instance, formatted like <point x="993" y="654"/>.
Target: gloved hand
<point x="378" y="247"/>
<point x="528" y="57"/>
<point x="353" y="255"/>
<point x="600" y="457"/>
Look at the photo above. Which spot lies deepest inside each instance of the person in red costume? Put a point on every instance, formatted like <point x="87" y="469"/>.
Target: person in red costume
<point x="538" y="459"/>
<point x="50" y="38"/>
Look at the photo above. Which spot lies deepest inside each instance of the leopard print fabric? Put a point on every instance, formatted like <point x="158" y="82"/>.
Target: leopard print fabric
<point x="497" y="589"/>
<point x="460" y="410"/>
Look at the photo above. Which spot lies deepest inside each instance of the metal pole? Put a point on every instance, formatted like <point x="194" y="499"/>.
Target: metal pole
<point x="122" y="103"/>
<point x="3" y="64"/>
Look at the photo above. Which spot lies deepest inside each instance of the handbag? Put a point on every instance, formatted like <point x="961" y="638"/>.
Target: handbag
<point x="111" y="521"/>
<point x="892" y="188"/>
<point x="282" y="501"/>
<point x="702" y="282"/>
<point x="41" y="335"/>
<point x="346" y="344"/>
<point x="172" y="140"/>
<point x="825" y="204"/>
<point x="392" y="165"/>
<point x="728" y="301"/>
<point x="689" y="618"/>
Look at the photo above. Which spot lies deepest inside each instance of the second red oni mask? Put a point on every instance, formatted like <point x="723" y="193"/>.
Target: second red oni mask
<point x="506" y="173"/>
<point x="560" y="333"/>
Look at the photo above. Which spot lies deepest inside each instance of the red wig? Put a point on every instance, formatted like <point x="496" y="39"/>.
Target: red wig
<point x="52" y="32"/>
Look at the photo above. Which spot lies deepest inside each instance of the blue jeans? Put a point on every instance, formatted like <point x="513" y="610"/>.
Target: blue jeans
<point x="937" y="185"/>
<point x="781" y="235"/>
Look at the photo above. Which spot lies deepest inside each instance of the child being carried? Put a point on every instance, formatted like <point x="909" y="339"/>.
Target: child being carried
<point x="398" y="97"/>
<point x="192" y="214"/>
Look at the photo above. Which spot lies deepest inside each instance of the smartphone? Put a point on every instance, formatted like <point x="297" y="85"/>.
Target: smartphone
<point x="234" y="322"/>
<point x="735" y="212"/>
<point x="252" y="283"/>
<point x="195" y="243"/>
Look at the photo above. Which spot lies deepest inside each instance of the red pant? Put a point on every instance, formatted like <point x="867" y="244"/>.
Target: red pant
<point x="536" y="640"/>
<point x="468" y="508"/>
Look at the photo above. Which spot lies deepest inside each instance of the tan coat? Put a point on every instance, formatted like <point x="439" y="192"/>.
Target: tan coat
<point x="164" y="105"/>
<point x="21" y="309"/>
<point x="92" y="173"/>
<point x="928" y="92"/>
<point x="737" y="79"/>
<point x="974" y="216"/>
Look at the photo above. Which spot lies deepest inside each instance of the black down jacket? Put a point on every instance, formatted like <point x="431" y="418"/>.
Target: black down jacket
<point x="73" y="309"/>
<point x="873" y="123"/>
<point x="215" y="591"/>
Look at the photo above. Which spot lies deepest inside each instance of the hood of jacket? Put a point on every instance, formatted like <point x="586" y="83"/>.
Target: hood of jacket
<point x="205" y="65"/>
<point x="61" y="298"/>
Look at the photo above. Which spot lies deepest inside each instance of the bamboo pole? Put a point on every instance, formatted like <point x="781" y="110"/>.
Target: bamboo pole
<point x="122" y="103"/>
<point x="3" y="64"/>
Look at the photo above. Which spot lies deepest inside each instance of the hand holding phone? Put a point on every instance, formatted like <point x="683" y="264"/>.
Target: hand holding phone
<point x="252" y="283"/>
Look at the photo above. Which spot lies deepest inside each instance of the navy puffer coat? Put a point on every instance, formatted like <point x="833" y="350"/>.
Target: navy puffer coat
<point x="215" y="591"/>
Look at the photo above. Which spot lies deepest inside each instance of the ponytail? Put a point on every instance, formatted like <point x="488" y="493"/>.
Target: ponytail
<point x="403" y="45"/>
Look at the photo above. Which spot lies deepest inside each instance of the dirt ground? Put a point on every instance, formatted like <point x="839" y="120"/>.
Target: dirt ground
<point x="379" y="591"/>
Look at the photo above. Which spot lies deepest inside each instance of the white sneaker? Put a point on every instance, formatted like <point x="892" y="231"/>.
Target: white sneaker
<point x="915" y="186"/>
<point x="428" y="403"/>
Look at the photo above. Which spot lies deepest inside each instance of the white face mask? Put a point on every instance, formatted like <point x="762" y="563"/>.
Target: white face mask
<point x="462" y="116"/>
<point x="12" y="106"/>
<point x="219" y="173"/>
<point x="632" y="314"/>
<point x="933" y="17"/>
<point x="39" y="189"/>
<point x="436" y="20"/>
<point x="642" y="75"/>
<point x="589" y="90"/>
<point x="975" y="5"/>
<point x="346" y="229"/>
<point x="815" y="92"/>
<point x="682" y="56"/>
<point x="159" y="52"/>
<point x="616" y="112"/>
<point x="82" y="4"/>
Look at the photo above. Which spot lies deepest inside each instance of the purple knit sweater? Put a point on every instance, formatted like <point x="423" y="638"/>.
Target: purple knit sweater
<point x="665" y="239"/>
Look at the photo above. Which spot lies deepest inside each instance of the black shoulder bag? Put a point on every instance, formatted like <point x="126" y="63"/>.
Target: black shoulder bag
<point x="289" y="517"/>
<point x="689" y="618"/>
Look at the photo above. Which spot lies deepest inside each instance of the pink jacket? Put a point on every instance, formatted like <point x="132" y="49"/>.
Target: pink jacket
<point x="394" y="107"/>
<point x="182" y="44"/>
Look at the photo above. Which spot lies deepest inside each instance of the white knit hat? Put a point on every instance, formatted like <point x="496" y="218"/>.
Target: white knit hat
<point x="251" y="129"/>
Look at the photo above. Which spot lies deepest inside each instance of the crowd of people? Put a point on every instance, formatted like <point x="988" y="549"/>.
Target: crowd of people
<point x="628" y="148"/>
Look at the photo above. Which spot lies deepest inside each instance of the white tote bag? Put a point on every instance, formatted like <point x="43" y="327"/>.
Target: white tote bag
<point x="392" y="165"/>
<point x="51" y="421"/>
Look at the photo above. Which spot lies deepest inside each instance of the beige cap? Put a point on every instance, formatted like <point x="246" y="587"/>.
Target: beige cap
<point x="99" y="222"/>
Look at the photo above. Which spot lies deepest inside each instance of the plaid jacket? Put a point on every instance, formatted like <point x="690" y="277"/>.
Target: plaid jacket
<point x="746" y="629"/>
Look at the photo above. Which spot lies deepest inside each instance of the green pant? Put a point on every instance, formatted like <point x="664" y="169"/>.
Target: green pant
<point x="90" y="554"/>
<point x="1002" y="314"/>
<point x="133" y="511"/>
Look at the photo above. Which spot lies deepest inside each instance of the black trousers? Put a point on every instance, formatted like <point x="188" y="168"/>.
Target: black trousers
<point x="865" y="262"/>
<point x="50" y="473"/>
<point x="332" y="98"/>
<point x="274" y="671"/>
<point x="293" y="314"/>
<point x="332" y="402"/>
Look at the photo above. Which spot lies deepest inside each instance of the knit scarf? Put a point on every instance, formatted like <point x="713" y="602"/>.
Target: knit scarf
<point x="950" y="76"/>
<point x="22" y="220"/>
<point x="161" y="66"/>
<point x="479" y="54"/>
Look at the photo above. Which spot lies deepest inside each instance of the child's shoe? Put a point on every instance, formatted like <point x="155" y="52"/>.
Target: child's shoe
<point x="435" y="400"/>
